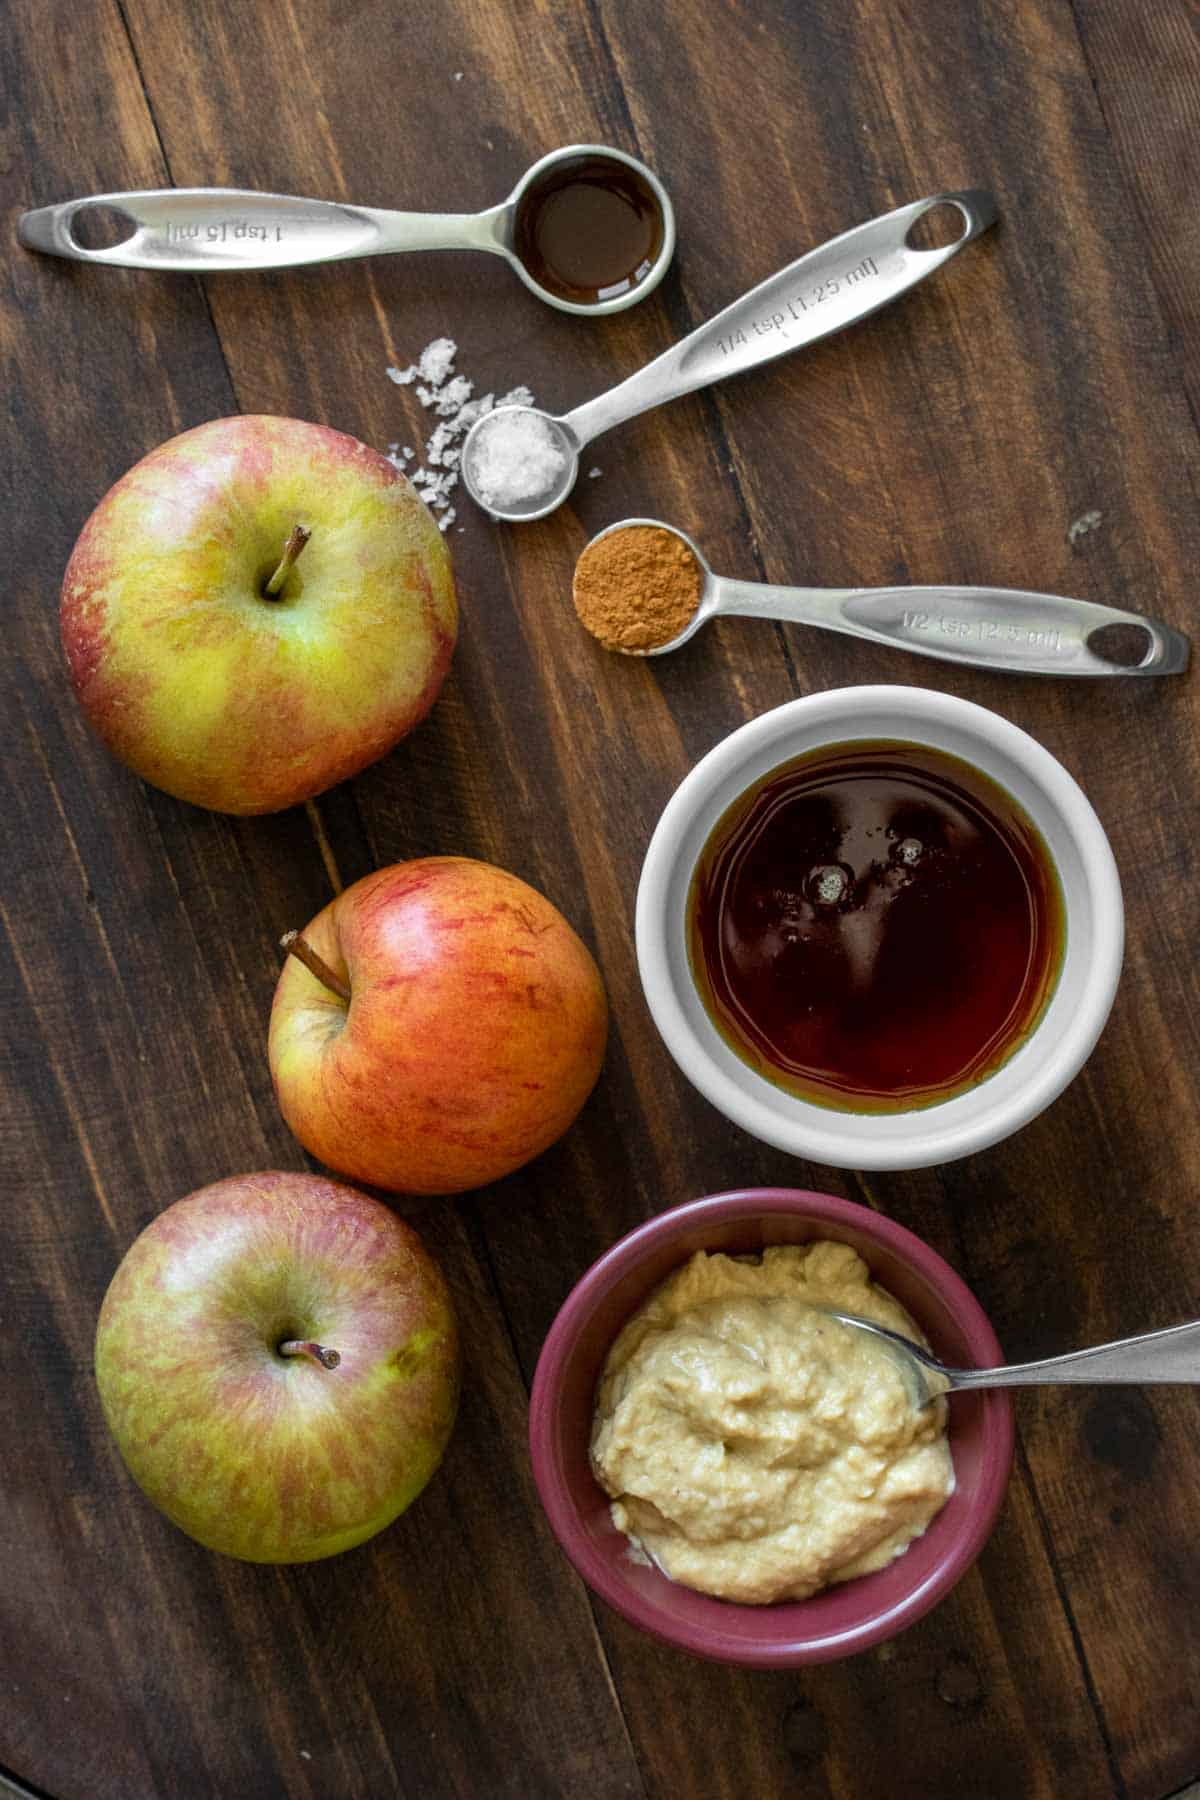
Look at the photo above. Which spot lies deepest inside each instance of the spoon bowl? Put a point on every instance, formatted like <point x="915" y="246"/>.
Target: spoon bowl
<point x="707" y="607"/>
<point x="915" y="1364"/>
<point x="565" y="161"/>
<point x="560" y="439"/>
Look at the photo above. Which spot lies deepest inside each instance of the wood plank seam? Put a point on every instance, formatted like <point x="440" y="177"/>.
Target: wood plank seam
<point x="320" y="836"/>
<point x="477" y="1235"/>
<point x="708" y="396"/>
<point x="1021" y="1460"/>
<point x="1133" y="202"/>
<point x="1023" y="1472"/>
<point x="61" y="1083"/>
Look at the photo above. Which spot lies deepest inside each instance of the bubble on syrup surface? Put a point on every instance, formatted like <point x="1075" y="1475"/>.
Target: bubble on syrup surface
<point x="828" y="884"/>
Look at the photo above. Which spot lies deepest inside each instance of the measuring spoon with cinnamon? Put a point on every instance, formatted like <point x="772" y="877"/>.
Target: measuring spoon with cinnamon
<point x="988" y="628"/>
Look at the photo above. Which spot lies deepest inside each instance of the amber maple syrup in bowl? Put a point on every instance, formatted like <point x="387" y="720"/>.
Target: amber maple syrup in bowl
<point x="879" y="927"/>
<point x="875" y="926"/>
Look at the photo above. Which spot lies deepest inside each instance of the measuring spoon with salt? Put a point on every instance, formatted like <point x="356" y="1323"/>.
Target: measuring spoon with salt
<point x="587" y="228"/>
<point x="985" y="627"/>
<point x="519" y="463"/>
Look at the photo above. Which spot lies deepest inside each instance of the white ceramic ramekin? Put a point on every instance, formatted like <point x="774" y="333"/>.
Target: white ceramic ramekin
<point x="1049" y="1058"/>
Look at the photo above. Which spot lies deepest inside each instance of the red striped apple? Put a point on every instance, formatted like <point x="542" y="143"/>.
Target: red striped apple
<point x="438" y="1025"/>
<point x="278" y="1362"/>
<point x="257" y="610"/>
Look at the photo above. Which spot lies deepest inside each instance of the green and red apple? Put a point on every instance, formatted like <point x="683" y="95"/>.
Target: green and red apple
<point x="257" y="610"/>
<point x="277" y="1360"/>
<point x="444" y="1026"/>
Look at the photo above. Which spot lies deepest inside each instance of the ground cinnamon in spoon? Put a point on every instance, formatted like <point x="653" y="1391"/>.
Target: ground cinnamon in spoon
<point x="638" y="588"/>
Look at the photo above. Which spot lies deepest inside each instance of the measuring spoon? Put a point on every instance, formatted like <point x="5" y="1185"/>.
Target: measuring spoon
<point x="988" y="628"/>
<point x="200" y="230"/>
<point x="1156" y="1358"/>
<point x="834" y="286"/>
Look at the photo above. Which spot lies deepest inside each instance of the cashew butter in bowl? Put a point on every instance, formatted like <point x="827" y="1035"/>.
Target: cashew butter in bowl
<point x="755" y="1447"/>
<point x="851" y="1585"/>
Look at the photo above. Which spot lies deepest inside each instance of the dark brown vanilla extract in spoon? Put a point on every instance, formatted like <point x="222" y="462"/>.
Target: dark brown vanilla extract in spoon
<point x="875" y="926"/>
<point x="589" y="229"/>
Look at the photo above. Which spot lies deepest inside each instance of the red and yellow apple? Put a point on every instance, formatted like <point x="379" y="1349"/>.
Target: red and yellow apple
<point x="211" y="686"/>
<point x="277" y="1360"/>
<point x="445" y="1026"/>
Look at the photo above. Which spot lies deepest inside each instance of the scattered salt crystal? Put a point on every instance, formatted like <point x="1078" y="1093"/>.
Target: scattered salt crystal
<point x="454" y="397"/>
<point x="436" y="360"/>
<point x="450" y="398"/>
<point x="458" y="74"/>
<point x="517" y="457"/>
<point x="592" y="473"/>
<point x="1086" y="522"/>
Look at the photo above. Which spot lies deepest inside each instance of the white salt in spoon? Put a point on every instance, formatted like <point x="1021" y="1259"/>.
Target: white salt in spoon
<point x="520" y="463"/>
<point x="207" y="230"/>
<point x="988" y="628"/>
<point x="1156" y="1358"/>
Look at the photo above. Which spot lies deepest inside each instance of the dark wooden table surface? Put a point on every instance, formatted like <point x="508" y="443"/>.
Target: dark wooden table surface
<point x="1053" y="371"/>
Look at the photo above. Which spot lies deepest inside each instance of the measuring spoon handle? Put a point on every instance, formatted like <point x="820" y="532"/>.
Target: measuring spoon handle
<point x="1156" y="1357"/>
<point x="845" y="280"/>
<point x="989" y="628"/>
<point x="199" y="229"/>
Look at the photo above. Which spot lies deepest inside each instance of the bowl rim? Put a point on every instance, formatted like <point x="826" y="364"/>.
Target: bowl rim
<point x="610" y="1268"/>
<point x="850" y="1140"/>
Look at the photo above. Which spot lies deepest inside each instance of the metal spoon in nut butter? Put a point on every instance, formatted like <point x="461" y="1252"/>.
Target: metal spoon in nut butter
<point x="1156" y="1357"/>
<point x="988" y="628"/>
<point x="587" y="228"/>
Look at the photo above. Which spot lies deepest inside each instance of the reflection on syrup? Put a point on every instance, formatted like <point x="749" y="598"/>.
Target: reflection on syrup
<point x="589" y="229"/>
<point x="875" y="926"/>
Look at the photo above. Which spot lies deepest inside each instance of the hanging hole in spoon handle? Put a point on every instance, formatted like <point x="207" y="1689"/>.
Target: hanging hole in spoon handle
<point x="98" y="227"/>
<point x="940" y="225"/>
<point x="1127" y="647"/>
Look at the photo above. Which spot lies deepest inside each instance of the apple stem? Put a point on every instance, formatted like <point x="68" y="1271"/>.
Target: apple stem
<point x="291" y="551"/>
<point x="328" y="1359"/>
<point x="295" y="945"/>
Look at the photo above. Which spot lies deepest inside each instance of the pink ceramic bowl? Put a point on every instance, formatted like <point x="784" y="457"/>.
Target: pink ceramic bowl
<point x="845" y="1618"/>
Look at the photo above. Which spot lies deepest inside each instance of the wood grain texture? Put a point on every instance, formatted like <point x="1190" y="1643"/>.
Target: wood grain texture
<point x="1049" y="372"/>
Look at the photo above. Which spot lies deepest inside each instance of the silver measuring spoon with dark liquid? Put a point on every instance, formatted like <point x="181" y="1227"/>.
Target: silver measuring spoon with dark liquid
<point x="588" y="229"/>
